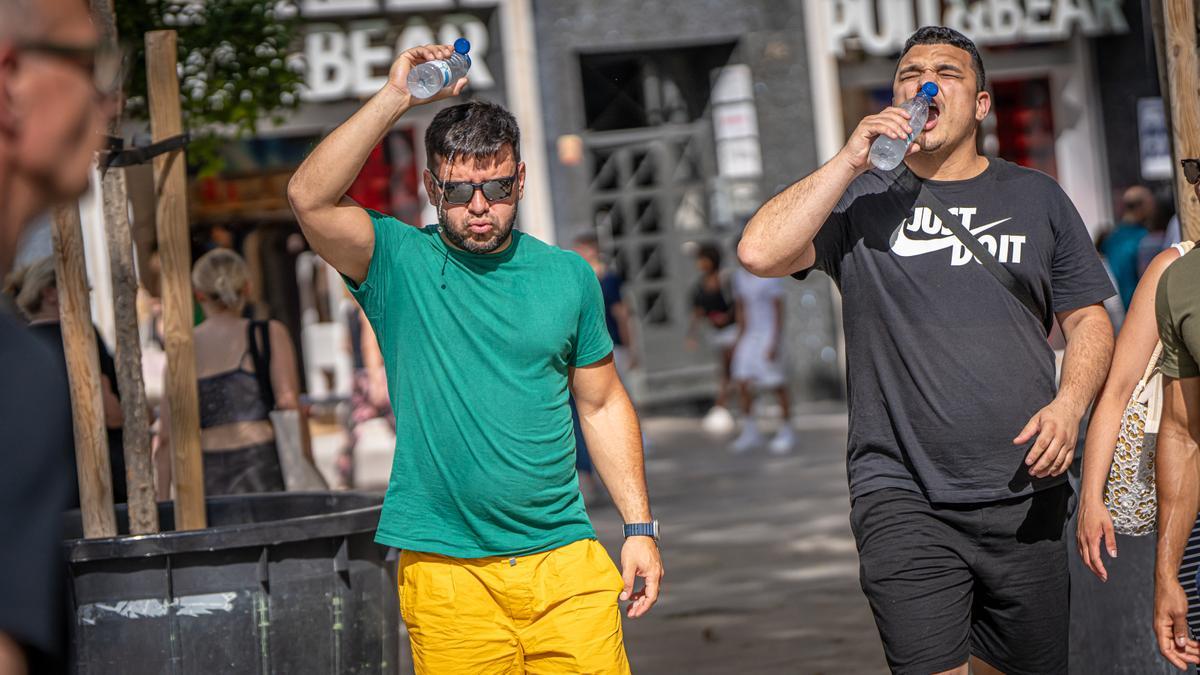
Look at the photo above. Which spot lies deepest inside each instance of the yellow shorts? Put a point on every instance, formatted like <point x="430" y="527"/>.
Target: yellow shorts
<point x="552" y="612"/>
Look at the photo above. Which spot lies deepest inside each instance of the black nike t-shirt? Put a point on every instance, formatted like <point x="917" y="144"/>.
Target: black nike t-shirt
<point x="945" y="366"/>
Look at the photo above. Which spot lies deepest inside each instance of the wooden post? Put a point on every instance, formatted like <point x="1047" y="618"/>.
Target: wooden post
<point x="139" y="468"/>
<point x="1179" y="45"/>
<point x="174" y="242"/>
<point x="139" y="465"/>
<point x="83" y="372"/>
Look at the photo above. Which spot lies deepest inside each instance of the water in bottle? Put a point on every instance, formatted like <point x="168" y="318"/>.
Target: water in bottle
<point x="888" y="152"/>
<point x="427" y="79"/>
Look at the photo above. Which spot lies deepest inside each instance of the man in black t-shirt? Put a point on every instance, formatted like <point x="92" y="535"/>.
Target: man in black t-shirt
<point x="52" y="117"/>
<point x="959" y="439"/>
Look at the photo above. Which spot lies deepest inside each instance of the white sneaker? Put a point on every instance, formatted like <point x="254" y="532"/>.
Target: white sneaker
<point x="719" y="421"/>
<point x="783" y="442"/>
<point x="746" y="441"/>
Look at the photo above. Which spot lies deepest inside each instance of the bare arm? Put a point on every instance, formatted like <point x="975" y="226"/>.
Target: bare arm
<point x="162" y="451"/>
<point x="377" y="385"/>
<point x="1134" y="347"/>
<point x="338" y="229"/>
<point x="620" y="312"/>
<point x="12" y="657"/>
<point x="778" y="307"/>
<point x="614" y="439"/>
<point x="778" y="239"/>
<point x="285" y="376"/>
<point x="1089" y="335"/>
<point x="1085" y="365"/>
<point x="114" y="418"/>
<point x="1177" y="473"/>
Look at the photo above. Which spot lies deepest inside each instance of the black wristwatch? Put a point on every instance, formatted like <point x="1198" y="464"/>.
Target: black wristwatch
<point x="649" y="529"/>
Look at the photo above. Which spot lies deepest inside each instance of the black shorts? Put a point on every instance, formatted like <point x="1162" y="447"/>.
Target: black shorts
<point x="950" y="581"/>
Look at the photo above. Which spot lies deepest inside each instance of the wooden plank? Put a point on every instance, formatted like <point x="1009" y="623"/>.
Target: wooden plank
<point x="139" y="466"/>
<point x="170" y="180"/>
<point x="1183" y="74"/>
<point x="83" y="372"/>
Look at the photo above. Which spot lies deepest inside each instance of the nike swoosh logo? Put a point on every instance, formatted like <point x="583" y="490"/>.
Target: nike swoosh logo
<point x="903" y="245"/>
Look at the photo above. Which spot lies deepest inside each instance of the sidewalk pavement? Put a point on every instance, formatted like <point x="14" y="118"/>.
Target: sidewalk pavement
<point x="762" y="575"/>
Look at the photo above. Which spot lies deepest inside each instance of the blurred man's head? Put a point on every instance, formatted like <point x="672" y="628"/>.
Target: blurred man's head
<point x="587" y="246"/>
<point x="51" y="113"/>
<point x="475" y="175"/>
<point x="949" y="59"/>
<point x="708" y="259"/>
<point x="1137" y="205"/>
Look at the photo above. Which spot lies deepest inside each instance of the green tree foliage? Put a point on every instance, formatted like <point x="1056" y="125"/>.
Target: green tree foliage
<point x="234" y="65"/>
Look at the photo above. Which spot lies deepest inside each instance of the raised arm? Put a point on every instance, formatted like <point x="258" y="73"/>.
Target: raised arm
<point x="338" y="229"/>
<point x="778" y="239"/>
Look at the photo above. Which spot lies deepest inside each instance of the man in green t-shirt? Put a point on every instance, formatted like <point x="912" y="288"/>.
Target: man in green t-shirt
<point x="485" y="332"/>
<point x="1177" y="309"/>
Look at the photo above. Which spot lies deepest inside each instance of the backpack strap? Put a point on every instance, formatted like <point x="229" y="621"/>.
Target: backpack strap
<point x="258" y="339"/>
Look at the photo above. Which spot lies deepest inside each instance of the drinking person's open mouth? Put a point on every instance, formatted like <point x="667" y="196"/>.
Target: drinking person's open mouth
<point x="931" y="121"/>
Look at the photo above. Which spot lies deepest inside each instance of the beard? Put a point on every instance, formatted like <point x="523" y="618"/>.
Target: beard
<point x="930" y="144"/>
<point x="463" y="238"/>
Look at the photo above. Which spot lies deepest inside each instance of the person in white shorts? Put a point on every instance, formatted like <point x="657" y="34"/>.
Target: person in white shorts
<point x="758" y="357"/>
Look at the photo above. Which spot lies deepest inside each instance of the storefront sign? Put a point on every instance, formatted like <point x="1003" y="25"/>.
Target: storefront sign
<point x="351" y="59"/>
<point x="1153" y="140"/>
<point x="880" y="27"/>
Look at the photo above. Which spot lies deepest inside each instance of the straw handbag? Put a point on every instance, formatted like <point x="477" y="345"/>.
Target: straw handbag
<point x="1130" y="495"/>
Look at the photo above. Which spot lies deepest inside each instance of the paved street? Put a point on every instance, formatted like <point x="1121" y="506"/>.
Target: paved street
<point x="761" y="571"/>
<point x="762" y="575"/>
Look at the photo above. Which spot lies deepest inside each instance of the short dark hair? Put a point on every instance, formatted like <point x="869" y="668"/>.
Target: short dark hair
<point x="711" y="253"/>
<point x="587" y="239"/>
<point x="941" y="35"/>
<point x="475" y="129"/>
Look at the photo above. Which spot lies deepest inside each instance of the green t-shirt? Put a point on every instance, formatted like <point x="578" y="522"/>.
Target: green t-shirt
<point x="1177" y="308"/>
<point x="477" y="350"/>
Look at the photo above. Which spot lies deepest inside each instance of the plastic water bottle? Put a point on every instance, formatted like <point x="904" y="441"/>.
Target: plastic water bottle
<point x="888" y="152"/>
<point x="427" y="79"/>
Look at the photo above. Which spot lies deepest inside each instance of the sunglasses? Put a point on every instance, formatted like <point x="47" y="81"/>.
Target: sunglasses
<point x="104" y="66"/>
<point x="460" y="192"/>
<point x="1191" y="170"/>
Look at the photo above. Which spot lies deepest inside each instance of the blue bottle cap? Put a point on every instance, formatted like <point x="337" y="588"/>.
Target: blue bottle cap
<point x="930" y="89"/>
<point x="462" y="46"/>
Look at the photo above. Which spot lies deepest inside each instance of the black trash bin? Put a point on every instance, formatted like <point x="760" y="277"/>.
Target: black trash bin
<point x="278" y="583"/>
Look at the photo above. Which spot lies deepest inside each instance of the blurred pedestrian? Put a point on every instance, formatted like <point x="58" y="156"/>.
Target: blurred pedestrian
<point x="485" y="333"/>
<point x="35" y="290"/>
<point x="369" y="393"/>
<point x="1121" y="245"/>
<point x="1157" y="237"/>
<point x="617" y="317"/>
<point x="52" y="116"/>
<point x="712" y="307"/>
<point x="757" y="364"/>
<point x="959" y="441"/>
<point x="246" y="369"/>
<point x="1177" y="310"/>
